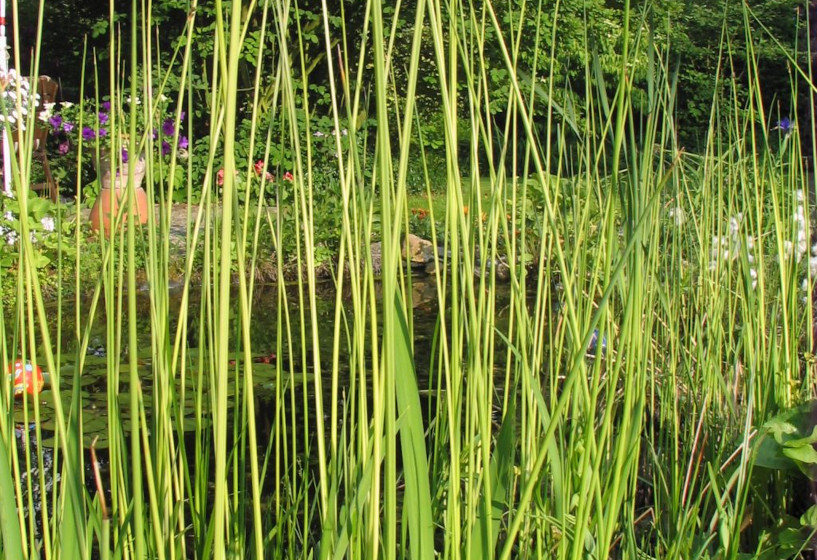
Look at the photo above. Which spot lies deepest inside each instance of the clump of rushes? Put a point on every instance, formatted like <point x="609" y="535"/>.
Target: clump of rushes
<point x="511" y="430"/>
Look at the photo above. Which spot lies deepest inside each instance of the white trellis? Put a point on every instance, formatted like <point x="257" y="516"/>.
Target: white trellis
<point x="4" y="68"/>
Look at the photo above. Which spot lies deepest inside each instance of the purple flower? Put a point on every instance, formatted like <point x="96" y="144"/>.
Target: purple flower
<point x="168" y="127"/>
<point x="785" y="125"/>
<point x="183" y="142"/>
<point x="88" y="133"/>
<point x="103" y="118"/>
<point x="67" y="126"/>
<point x="181" y="117"/>
<point x="165" y="147"/>
<point x="55" y="121"/>
<point x="593" y="346"/>
<point x="63" y="148"/>
<point x="124" y="155"/>
<point x="106" y="106"/>
<point x="155" y="134"/>
<point x="102" y="132"/>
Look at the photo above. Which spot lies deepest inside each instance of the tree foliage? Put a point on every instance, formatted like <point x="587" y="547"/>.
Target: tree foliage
<point x="587" y="35"/>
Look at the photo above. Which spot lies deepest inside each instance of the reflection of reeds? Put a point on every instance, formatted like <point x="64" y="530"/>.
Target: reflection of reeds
<point x="510" y="437"/>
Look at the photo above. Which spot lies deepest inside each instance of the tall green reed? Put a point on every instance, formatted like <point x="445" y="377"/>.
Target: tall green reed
<point x="519" y="443"/>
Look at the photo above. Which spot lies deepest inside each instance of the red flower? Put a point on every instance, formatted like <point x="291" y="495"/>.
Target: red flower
<point x="220" y="177"/>
<point x="288" y="177"/>
<point x="259" y="167"/>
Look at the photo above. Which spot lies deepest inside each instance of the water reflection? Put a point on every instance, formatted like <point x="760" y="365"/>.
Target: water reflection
<point x="275" y="370"/>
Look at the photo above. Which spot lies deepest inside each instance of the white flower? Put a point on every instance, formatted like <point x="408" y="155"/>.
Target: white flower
<point x="47" y="223"/>
<point x="318" y="134"/>
<point x="800" y="216"/>
<point x="47" y="112"/>
<point x="9" y="216"/>
<point x="804" y="285"/>
<point x="802" y="246"/>
<point x="734" y="226"/>
<point x="32" y="237"/>
<point x="677" y="214"/>
<point x="134" y="100"/>
<point x="66" y="104"/>
<point x="11" y="237"/>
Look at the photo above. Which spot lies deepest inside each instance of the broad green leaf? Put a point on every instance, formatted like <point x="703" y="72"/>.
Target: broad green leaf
<point x="417" y="506"/>
<point x="798" y="442"/>
<point x="9" y="528"/>
<point x="809" y="519"/>
<point x="805" y="455"/>
<point x="780" y="429"/>
<point x="486" y="531"/>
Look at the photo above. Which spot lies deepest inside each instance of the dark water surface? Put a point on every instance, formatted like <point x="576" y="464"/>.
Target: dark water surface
<point x="102" y="364"/>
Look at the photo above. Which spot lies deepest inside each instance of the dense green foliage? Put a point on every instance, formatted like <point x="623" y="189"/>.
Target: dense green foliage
<point x="695" y="34"/>
<point x="637" y="388"/>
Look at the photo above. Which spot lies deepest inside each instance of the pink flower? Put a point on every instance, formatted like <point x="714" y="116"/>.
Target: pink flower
<point x="220" y="177"/>
<point x="259" y="167"/>
<point x="269" y="177"/>
<point x="63" y="148"/>
<point x="288" y="177"/>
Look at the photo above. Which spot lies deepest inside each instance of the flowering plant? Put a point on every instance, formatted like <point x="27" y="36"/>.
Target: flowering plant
<point x="94" y="125"/>
<point x="42" y="229"/>
<point x="12" y="85"/>
<point x="258" y="176"/>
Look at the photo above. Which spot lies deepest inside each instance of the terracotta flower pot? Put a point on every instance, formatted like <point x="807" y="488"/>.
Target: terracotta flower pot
<point x="114" y="192"/>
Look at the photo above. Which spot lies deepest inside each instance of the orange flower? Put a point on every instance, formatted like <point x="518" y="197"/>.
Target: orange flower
<point x="465" y="210"/>
<point x="421" y="213"/>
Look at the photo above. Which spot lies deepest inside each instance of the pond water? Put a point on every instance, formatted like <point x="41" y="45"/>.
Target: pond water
<point x="98" y="360"/>
<point x="102" y="366"/>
